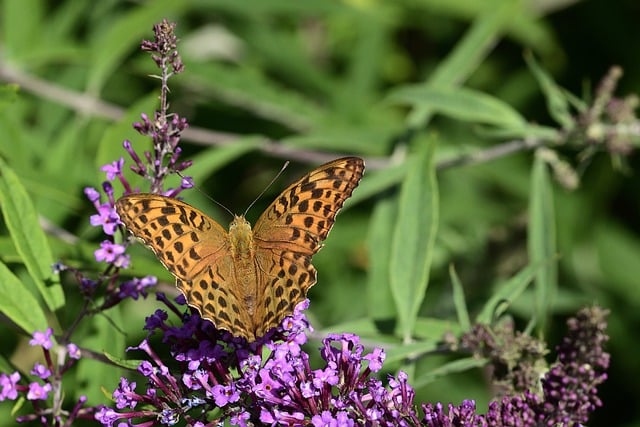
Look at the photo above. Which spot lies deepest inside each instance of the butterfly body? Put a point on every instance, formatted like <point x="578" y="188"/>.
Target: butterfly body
<point x="245" y="280"/>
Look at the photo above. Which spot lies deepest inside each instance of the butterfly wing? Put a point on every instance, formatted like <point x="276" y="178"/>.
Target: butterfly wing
<point x="293" y="228"/>
<point x="194" y="248"/>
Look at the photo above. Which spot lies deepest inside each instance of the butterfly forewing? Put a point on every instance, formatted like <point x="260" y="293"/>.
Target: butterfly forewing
<point x="192" y="246"/>
<point x="245" y="282"/>
<point x="302" y="215"/>
<point x="293" y="228"/>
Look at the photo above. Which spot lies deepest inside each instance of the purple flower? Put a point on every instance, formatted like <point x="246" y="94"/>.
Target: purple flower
<point x="124" y="395"/>
<point x="8" y="384"/>
<point x="112" y="253"/>
<point x="113" y="169"/>
<point x="42" y="339"/>
<point x="225" y="394"/>
<point x="376" y="359"/>
<point x="73" y="351"/>
<point x="92" y="194"/>
<point x="38" y="392"/>
<point x="107" y="416"/>
<point x="137" y="286"/>
<point x="107" y="218"/>
<point x="41" y="371"/>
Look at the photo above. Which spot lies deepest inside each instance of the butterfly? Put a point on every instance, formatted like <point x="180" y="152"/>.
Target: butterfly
<point x="245" y="280"/>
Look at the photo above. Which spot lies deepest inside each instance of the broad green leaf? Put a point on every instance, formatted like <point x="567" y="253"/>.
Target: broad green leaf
<point x="414" y="237"/>
<point x="460" y="103"/>
<point x="18" y="304"/>
<point x="542" y="240"/>
<point x="28" y="236"/>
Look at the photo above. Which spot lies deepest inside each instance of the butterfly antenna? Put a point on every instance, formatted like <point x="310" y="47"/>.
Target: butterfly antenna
<point x="267" y="187"/>
<point x="209" y="197"/>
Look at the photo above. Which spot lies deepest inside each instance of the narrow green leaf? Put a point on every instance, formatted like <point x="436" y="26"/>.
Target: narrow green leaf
<point x="131" y="364"/>
<point x="542" y="240"/>
<point x="28" y="237"/>
<point x="557" y="101"/>
<point x="412" y="351"/>
<point x="460" y="103"/>
<point x="430" y="328"/>
<point x="378" y="181"/>
<point x="459" y="300"/>
<point x="506" y="294"/>
<point x="18" y="304"/>
<point x="124" y="36"/>
<point x="5" y="365"/>
<point x="414" y="237"/>
<point x="460" y="365"/>
<point x="379" y="295"/>
<point x="110" y="146"/>
<point x="468" y="54"/>
<point x="212" y="159"/>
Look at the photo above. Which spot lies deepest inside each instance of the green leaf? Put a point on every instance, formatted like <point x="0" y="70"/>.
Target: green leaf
<point x="430" y="328"/>
<point x="131" y="364"/>
<point x="457" y="366"/>
<point x="460" y="103"/>
<point x="110" y="146"/>
<point x="467" y="55"/>
<point x="379" y="295"/>
<point x="212" y="159"/>
<point x="28" y="236"/>
<point x="458" y="300"/>
<point x="8" y="95"/>
<point x="92" y="374"/>
<point x="378" y="181"/>
<point x="411" y="351"/>
<point x="542" y="240"/>
<point x="557" y="101"/>
<point x="505" y="295"/>
<point x="18" y="304"/>
<point x="124" y="36"/>
<point x="414" y="237"/>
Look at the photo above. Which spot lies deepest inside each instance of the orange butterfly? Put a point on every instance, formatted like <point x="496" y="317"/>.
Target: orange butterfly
<point x="245" y="281"/>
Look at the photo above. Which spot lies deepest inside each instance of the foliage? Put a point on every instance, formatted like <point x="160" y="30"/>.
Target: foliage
<point x="478" y="205"/>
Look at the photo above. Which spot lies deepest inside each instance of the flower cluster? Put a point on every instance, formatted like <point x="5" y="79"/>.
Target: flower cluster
<point x="45" y="381"/>
<point x="249" y="385"/>
<point x="217" y="374"/>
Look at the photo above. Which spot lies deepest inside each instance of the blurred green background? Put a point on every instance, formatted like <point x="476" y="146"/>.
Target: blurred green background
<point x="266" y="82"/>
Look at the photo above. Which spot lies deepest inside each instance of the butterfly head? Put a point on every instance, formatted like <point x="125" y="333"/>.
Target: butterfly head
<point x="240" y="235"/>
